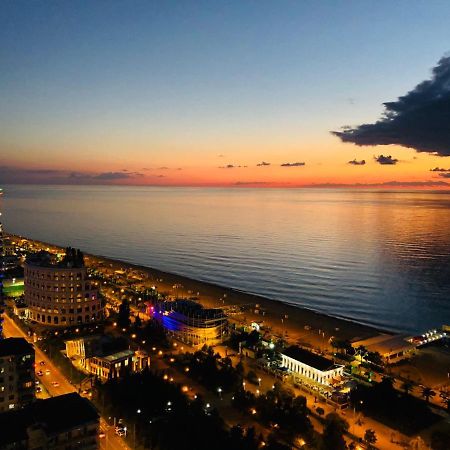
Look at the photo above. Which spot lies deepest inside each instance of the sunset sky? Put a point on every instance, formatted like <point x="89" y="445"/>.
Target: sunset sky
<point x="228" y="93"/>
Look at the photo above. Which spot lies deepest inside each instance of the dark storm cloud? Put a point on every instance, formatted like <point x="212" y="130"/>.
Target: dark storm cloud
<point x="355" y="162"/>
<point x="386" y="160"/>
<point x="262" y="164"/>
<point x="438" y="169"/>
<point x="295" y="164"/>
<point x="419" y="120"/>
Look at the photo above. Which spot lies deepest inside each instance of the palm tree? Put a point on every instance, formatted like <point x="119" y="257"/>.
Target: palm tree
<point x="445" y="396"/>
<point x="370" y="437"/>
<point x="427" y="393"/>
<point x="407" y="386"/>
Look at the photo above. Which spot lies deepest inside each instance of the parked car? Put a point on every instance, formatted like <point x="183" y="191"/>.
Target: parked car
<point x="39" y="373"/>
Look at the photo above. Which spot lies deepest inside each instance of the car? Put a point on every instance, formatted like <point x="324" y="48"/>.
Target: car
<point x="39" y="373"/>
<point x="101" y="435"/>
<point x="38" y="389"/>
<point x="37" y="382"/>
<point x="42" y="363"/>
<point x="55" y="383"/>
<point x="121" y="432"/>
<point x="47" y="372"/>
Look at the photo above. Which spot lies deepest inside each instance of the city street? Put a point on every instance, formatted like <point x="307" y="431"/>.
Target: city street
<point x="111" y="441"/>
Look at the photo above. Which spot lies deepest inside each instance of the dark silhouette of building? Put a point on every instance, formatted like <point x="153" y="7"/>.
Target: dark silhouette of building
<point x="59" y="423"/>
<point x="17" y="378"/>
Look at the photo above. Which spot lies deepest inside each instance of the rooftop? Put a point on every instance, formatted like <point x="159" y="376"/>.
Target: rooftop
<point x="47" y="414"/>
<point x="15" y="346"/>
<point x="73" y="258"/>
<point x="191" y="309"/>
<point x="308" y="358"/>
<point x="385" y="343"/>
<point x="117" y="356"/>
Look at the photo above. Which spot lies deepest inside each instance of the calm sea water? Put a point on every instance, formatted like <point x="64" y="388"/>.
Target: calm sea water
<point x="382" y="258"/>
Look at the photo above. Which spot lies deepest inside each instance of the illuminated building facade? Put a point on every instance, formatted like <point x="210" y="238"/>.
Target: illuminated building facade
<point x="86" y="353"/>
<point x="310" y="366"/>
<point x="189" y="322"/>
<point x="59" y="293"/>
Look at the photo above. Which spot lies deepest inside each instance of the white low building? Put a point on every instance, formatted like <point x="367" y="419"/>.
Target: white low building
<point x="311" y="366"/>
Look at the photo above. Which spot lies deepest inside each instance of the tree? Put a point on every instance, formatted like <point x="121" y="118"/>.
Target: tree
<point x="240" y="370"/>
<point x="137" y="321"/>
<point x="375" y="358"/>
<point x="407" y="385"/>
<point x="333" y="433"/>
<point x="445" y="397"/>
<point x="370" y="437"/>
<point x="252" y="377"/>
<point x="320" y="411"/>
<point x="427" y="393"/>
<point x="123" y="318"/>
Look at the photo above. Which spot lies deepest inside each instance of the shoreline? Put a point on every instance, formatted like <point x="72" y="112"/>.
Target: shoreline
<point x="297" y="323"/>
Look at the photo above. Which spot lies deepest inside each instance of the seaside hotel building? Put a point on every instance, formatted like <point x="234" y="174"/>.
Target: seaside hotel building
<point x="311" y="367"/>
<point x="189" y="322"/>
<point x="59" y="292"/>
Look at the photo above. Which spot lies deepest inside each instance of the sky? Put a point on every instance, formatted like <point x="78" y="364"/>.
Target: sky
<point x="224" y="93"/>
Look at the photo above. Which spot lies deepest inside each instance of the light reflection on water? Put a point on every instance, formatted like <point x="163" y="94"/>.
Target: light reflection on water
<point x="379" y="257"/>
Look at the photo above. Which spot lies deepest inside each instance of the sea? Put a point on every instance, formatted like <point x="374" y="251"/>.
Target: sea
<point x="381" y="258"/>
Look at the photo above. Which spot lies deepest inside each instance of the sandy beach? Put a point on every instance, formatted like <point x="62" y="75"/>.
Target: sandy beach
<point x="296" y="324"/>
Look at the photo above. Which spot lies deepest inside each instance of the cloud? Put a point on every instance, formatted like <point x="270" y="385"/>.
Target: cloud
<point x="438" y="169"/>
<point x="419" y="119"/>
<point x="116" y="175"/>
<point x="263" y="163"/>
<point x="230" y="166"/>
<point x="295" y="164"/>
<point x="163" y="168"/>
<point x="17" y="175"/>
<point x="394" y="184"/>
<point x="445" y="175"/>
<point x="386" y="160"/>
<point x="354" y="162"/>
<point x="249" y="183"/>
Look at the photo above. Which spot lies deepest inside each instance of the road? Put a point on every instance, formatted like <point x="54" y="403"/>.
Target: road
<point x="111" y="441"/>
